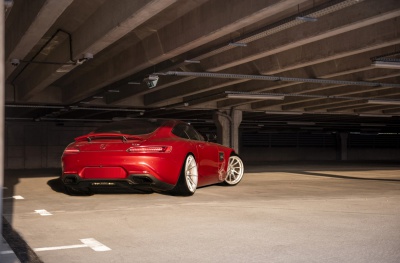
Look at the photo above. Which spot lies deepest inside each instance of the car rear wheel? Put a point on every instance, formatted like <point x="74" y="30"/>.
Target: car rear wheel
<point x="235" y="170"/>
<point x="188" y="179"/>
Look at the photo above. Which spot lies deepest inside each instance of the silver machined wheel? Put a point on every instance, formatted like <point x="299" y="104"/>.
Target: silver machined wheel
<point x="191" y="173"/>
<point x="235" y="170"/>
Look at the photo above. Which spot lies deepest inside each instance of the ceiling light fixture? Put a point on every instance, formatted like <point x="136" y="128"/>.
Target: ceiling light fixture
<point x="250" y="95"/>
<point x="307" y="18"/>
<point x="375" y="115"/>
<point x="372" y="124"/>
<point x="192" y="61"/>
<point x="300" y="123"/>
<point x="104" y="109"/>
<point x="133" y="83"/>
<point x="384" y="102"/>
<point x="237" y="44"/>
<point x="284" y="112"/>
<point x="386" y="64"/>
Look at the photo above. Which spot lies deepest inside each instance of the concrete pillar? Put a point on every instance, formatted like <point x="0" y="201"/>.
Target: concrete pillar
<point x="2" y="140"/>
<point x="236" y="116"/>
<point x="343" y="145"/>
<point x="222" y="121"/>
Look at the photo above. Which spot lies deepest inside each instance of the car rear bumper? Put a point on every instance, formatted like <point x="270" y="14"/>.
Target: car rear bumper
<point x="133" y="181"/>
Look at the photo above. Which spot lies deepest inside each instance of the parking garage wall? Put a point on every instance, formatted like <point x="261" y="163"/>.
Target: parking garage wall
<point x="33" y="145"/>
<point x="38" y="145"/>
<point x="300" y="146"/>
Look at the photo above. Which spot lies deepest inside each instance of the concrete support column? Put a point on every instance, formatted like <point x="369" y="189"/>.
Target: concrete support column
<point x="236" y="116"/>
<point x="2" y="140"/>
<point x="222" y="121"/>
<point x="343" y="145"/>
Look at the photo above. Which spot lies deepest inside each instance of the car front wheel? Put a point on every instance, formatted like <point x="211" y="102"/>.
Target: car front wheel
<point x="235" y="170"/>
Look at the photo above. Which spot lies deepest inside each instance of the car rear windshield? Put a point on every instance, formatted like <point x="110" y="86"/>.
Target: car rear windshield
<point x="132" y="127"/>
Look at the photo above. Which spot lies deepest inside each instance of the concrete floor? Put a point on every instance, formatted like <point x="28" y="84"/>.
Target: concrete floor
<point x="278" y="213"/>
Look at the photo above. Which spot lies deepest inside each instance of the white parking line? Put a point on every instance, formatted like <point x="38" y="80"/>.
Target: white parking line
<point x="58" y="248"/>
<point x="87" y="242"/>
<point x="43" y="212"/>
<point x="6" y="252"/>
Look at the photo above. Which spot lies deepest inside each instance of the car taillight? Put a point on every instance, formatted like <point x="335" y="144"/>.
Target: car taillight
<point x="150" y="149"/>
<point x="71" y="150"/>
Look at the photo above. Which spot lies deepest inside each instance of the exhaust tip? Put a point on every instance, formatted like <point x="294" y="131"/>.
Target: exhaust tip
<point x="71" y="179"/>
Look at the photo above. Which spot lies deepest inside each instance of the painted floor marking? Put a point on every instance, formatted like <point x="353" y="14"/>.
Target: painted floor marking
<point x="94" y="244"/>
<point x="58" y="248"/>
<point x="43" y="212"/>
<point x="6" y="252"/>
<point x="87" y="242"/>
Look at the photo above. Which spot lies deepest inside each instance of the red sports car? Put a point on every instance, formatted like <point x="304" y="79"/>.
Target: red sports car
<point x="147" y="154"/>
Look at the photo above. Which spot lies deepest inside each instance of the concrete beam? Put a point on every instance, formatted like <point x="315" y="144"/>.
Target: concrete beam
<point x="340" y="90"/>
<point x="352" y="107"/>
<point x="159" y="97"/>
<point x="90" y="37"/>
<point x="330" y="69"/>
<point x="354" y="43"/>
<point x="379" y="108"/>
<point x="357" y="42"/>
<point x="395" y="111"/>
<point x="27" y="25"/>
<point x="211" y="21"/>
<point x="352" y="18"/>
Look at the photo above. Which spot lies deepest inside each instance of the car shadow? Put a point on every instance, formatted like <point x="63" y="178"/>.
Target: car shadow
<point x="344" y="177"/>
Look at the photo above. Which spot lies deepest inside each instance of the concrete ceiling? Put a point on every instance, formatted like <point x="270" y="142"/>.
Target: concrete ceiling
<point x="325" y="69"/>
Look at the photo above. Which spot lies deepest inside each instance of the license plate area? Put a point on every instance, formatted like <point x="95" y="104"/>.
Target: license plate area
<point x="104" y="172"/>
<point x="104" y="184"/>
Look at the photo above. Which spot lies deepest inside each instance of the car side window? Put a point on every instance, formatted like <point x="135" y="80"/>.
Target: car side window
<point x="193" y="134"/>
<point x="179" y="130"/>
<point x="187" y="132"/>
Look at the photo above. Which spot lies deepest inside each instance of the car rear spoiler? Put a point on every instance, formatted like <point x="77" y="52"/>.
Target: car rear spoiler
<point x="124" y="137"/>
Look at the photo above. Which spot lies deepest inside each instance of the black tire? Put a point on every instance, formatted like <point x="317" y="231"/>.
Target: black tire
<point x="187" y="182"/>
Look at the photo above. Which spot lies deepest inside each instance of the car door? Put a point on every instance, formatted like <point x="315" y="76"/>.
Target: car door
<point x="207" y="158"/>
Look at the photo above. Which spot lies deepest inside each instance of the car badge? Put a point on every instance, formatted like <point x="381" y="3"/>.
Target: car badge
<point x="103" y="146"/>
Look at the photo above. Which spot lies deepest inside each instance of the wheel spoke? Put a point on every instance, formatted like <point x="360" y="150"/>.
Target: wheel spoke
<point x="191" y="173"/>
<point x="191" y="167"/>
<point x="190" y="180"/>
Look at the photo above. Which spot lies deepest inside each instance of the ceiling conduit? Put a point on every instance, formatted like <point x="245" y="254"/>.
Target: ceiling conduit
<point x="275" y="78"/>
